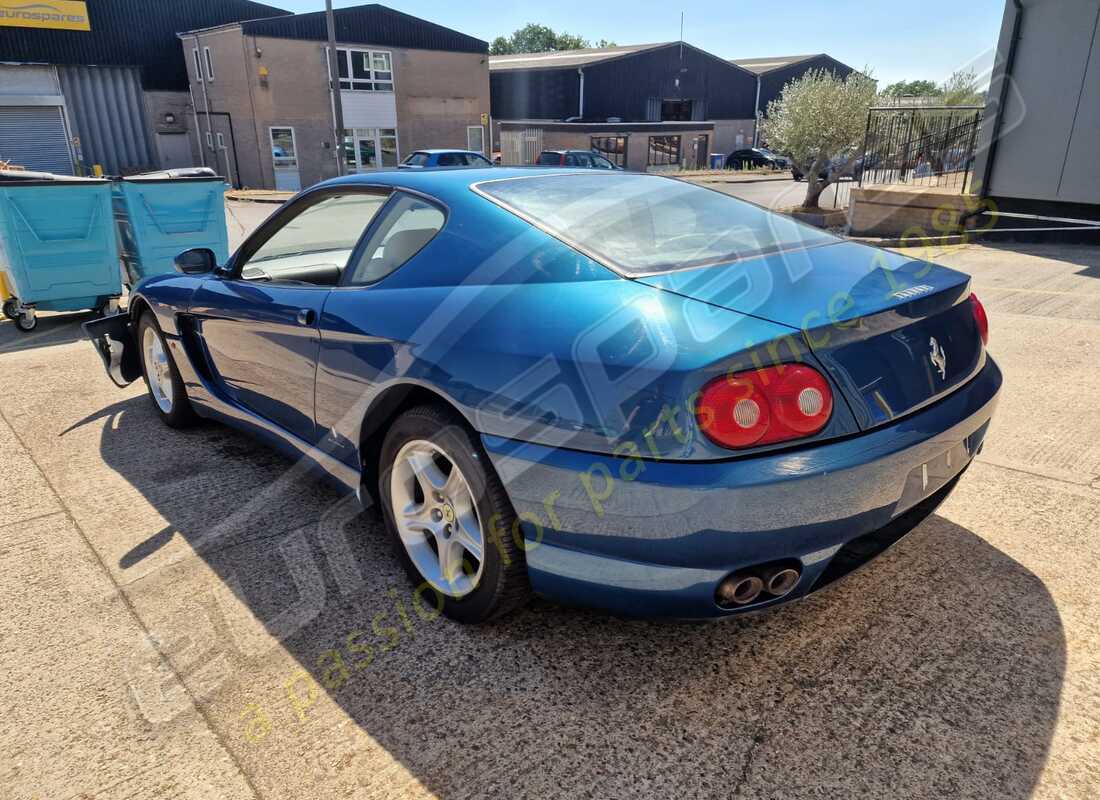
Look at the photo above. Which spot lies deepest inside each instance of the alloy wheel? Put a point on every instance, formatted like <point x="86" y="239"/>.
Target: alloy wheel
<point x="158" y="370"/>
<point x="437" y="518"/>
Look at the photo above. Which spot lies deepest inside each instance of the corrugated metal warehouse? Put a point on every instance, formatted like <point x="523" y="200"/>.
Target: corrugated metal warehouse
<point x="650" y="83"/>
<point x="774" y="72"/>
<point x="108" y="88"/>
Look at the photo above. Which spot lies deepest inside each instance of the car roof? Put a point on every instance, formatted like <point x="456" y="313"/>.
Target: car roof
<point x="449" y="150"/>
<point x="453" y="185"/>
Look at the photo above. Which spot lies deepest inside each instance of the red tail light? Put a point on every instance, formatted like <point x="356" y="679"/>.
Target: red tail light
<point x="980" y="317"/>
<point x="764" y="406"/>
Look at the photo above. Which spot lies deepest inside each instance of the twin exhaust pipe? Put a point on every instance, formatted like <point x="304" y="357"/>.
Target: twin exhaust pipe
<point x="742" y="588"/>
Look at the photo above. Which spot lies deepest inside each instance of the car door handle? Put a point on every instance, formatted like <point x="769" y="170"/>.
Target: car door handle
<point x="306" y="316"/>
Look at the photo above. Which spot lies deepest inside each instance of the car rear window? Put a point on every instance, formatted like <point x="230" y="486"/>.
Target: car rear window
<point x="642" y="224"/>
<point x="547" y="159"/>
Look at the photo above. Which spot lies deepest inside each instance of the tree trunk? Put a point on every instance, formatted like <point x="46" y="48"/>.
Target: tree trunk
<point x="814" y="188"/>
<point x="814" y="184"/>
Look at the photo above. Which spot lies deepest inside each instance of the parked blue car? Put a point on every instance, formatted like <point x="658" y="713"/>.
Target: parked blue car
<point x="612" y="389"/>
<point x="421" y="159"/>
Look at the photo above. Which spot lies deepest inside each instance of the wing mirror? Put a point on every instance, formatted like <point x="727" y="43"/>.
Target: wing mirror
<point x="196" y="261"/>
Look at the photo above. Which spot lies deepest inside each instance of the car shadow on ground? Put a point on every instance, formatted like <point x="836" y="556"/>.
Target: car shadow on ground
<point x="52" y="329"/>
<point x="934" y="671"/>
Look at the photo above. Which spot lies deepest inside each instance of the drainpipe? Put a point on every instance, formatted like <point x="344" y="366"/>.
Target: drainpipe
<point x="756" y="116"/>
<point x="334" y="83"/>
<point x="580" y="105"/>
<point x="1010" y="59"/>
<point x="198" y="129"/>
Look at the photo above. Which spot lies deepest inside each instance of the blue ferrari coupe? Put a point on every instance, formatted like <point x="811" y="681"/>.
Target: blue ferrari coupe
<point x="612" y="389"/>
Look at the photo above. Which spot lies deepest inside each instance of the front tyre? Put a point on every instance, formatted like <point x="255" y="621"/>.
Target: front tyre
<point x="162" y="379"/>
<point x="451" y="523"/>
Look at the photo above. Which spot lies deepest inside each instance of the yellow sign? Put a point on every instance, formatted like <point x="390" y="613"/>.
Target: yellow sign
<point x="66" y="15"/>
<point x="484" y="120"/>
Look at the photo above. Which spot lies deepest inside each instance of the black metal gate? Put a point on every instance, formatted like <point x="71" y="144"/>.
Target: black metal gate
<point x="920" y="146"/>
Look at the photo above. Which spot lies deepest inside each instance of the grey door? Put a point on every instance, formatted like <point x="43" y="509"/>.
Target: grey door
<point x="175" y="150"/>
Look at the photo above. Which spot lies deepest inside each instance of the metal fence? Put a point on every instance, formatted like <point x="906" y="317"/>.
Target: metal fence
<point x="519" y="147"/>
<point x="920" y="146"/>
<point x="914" y="145"/>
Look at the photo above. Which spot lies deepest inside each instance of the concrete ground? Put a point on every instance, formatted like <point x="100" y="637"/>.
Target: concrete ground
<point x="186" y="616"/>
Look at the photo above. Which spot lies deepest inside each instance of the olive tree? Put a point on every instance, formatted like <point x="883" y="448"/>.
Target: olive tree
<point x="819" y="121"/>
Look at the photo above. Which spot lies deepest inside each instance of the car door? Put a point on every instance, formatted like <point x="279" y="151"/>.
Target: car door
<point x="258" y="323"/>
<point x="365" y="327"/>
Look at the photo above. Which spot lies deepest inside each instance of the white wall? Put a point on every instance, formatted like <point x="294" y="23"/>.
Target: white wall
<point x="369" y="109"/>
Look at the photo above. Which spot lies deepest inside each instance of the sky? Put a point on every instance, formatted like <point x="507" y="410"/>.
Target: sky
<point x="896" y="40"/>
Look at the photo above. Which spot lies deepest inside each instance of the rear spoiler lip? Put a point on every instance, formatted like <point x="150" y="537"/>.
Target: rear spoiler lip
<point x="113" y="340"/>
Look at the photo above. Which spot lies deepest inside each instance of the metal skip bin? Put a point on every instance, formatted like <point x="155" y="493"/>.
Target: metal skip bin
<point x="58" y="247"/>
<point x="161" y="214"/>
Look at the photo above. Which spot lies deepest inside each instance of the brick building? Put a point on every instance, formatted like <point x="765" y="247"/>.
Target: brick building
<point x="264" y="104"/>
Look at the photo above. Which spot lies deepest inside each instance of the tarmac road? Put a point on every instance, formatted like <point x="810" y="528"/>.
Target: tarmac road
<point x="779" y="193"/>
<point x="188" y="616"/>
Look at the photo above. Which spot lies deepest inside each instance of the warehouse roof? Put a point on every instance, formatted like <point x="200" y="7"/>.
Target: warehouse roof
<point x="367" y="24"/>
<point x="567" y="58"/>
<point x="762" y="65"/>
<point x="125" y="33"/>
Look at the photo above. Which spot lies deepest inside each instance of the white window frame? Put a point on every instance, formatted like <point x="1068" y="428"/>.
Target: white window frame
<point x="355" y="134"/>
<point x="198" y="64"/>
<point x="209" y="64"/>
<point x="351" y="80"/>
<point x="481" y="135"/>
<point x="271" y="141"/>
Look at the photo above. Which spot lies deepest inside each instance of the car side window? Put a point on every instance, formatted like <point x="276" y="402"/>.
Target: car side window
<point x="417" y="159"/>
<point x="315" y="242"/>
<point x="408" y="225"/>
<point x="548" y="159"/>
<point x="599" y="162"/>
<point x="578" y="160"/>
<point x="451" y="160"/>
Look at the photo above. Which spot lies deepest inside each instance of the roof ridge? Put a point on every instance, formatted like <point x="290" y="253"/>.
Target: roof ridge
<point x="577" y="50"/>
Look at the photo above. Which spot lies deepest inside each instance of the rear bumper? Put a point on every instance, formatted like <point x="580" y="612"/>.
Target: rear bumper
<point x="656" y="542"/>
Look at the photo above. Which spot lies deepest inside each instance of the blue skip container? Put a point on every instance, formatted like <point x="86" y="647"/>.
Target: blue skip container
<point x="161" y="214"/>
<point x="58" y="247"/>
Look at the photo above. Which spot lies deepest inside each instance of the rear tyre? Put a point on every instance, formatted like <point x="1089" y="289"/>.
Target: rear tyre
<point x="450" y="521"/>
<point x="162" y="379"/>
<point x="11" y="308"/>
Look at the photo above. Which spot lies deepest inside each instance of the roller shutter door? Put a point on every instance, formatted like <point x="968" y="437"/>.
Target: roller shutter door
<point x="34" y="137"/>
